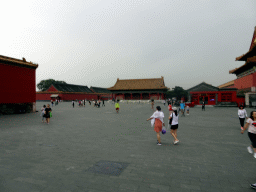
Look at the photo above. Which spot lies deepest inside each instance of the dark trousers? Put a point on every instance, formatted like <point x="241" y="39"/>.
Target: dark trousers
<point x="242" y="121"/>
<point x="73" y="105"/>
<point x="252" y="137"/>
<point x="203" y="107"/>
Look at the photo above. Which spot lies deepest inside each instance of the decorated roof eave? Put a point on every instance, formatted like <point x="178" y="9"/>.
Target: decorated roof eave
<point x="245" y="56"/>
<point x="18" y="62"/>
<point x="249" y="61"/>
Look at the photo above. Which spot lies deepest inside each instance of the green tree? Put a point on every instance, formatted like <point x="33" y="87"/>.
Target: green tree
<point x="177" y="92"/>
<point x="45" y="84"/>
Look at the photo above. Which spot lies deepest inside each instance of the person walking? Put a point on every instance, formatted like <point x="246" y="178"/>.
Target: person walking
<point x="203" y="106"/>
<point x="47" y="112"/>
<point x="103" y="103"/>
<point x="174" y="123"/>
<point x="42" y="114"/>
<point x="242" y="114"/>
<point x="157" y="119"/>
<point x="170" y="109"/>
<point x="117" y="106"/>
<point x="152" y="104"/>
<point x="164" y="102"/>
<point x="73" y="103"/>
<point x="52" y="102"/>
<point x="84" y="102"/>
<point x="182" y="108"/>
<point x="251" y="125"/>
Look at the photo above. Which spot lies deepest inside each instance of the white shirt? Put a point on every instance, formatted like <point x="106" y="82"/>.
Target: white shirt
<point x="242" y="113"/>
<point x="252" y="125"/>
<point x="159" y="115"/>
<point x="175" y="119"/>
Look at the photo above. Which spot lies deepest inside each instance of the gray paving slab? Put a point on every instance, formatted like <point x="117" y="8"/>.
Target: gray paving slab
<point x="37" y="157"/>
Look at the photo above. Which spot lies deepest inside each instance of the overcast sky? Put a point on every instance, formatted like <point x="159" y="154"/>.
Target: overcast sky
<point x="94" y="42"/>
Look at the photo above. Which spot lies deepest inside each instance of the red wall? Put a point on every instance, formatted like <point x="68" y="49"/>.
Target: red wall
<point x="18" y="84"/>
<point x="70" y="97"/>
<point x="246" y="81"/>
<point x="236" y="99"/>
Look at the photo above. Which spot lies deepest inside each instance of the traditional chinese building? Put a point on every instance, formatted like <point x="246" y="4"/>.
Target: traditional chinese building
<point x="213" y="95"/>
<point x="68" y="92"/>
<point x="246" y="74"/>
<point x="18" y="85"/>
<point x="139" y="89"/>
<point x="107" y="93"/>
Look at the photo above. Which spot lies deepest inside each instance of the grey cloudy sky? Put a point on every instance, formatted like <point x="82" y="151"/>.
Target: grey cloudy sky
<point x="93" y="42"/>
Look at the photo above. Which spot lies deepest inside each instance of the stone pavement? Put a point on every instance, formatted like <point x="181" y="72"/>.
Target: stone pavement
<point x="80" y="144"/>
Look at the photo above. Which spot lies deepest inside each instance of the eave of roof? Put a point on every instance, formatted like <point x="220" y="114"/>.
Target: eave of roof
<point x="251" y="51"/>
<point x="226" y="84"/>
<point x="251" y="60"/>
<point x="9" y="60"/>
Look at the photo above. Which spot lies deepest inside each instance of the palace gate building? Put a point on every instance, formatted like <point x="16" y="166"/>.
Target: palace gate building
<point x="213" y="95"/>
<point x="139" y="89"/>
<point x="69" y="92"/>
<point x="18" y="85"/>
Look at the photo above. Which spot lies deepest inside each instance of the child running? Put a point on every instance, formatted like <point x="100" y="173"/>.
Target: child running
<point x="251" y="123"/>
<point x="117" y="106"/>
<point x="187" y="109"/>
<point x="47" y="113"/>
<point x="170" y="109"/>
<point x="42" y="113"/>
<point x="174" y="117"/>
<point x="157" y="119"/>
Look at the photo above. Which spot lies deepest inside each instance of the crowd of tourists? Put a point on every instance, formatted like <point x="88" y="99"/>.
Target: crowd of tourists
<point x="157" y="119"/>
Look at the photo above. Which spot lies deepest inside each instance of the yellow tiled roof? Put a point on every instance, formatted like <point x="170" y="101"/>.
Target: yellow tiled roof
<point x="138" y="84"/>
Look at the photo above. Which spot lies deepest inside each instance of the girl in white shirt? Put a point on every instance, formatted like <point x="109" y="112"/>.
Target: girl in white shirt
<point x="242" y="115"/>
<point x="157" y="119"/>
<point x="174" y="118"/>
<point x="251" y="125"/>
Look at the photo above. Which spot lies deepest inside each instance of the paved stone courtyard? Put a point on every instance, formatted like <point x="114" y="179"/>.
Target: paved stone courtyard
<point x="89" y="149"/>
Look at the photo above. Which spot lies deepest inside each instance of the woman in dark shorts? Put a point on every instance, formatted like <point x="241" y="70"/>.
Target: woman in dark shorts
<point x="47" y="113"/>
<point x="174" y="124"/>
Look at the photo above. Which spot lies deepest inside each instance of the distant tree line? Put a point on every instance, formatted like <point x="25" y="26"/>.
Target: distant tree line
<point x="177" y="92"/>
